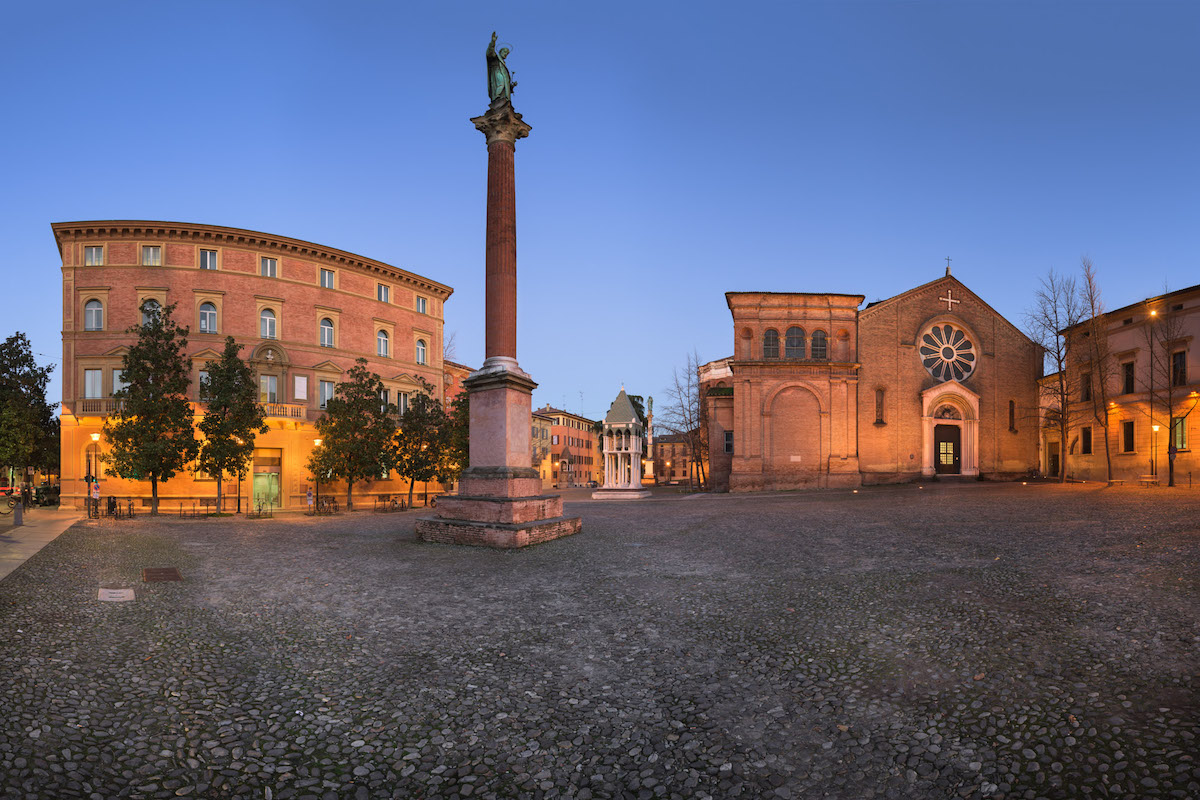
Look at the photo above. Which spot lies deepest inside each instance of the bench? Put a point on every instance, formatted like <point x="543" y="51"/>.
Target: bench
<point x="1147" y="480"/>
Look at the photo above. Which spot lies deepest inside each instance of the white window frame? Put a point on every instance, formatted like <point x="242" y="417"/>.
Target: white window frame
<point x="325" y="332"/>
<point x="300" y="387"/>
<point x="93" y="255"/>
<point x="93" y="384"/>
<point x="268" y="267"/>
<point x="382" y="344"/>
<point x="267" y="324"/>
<point x="268" y="388"/>
<point x="118" y="380"/>
<point x="325" y="391"/>
<point x="152" y="255"/>
<point x="383" y="293"/>
<point x="321" y="278"/>
<point x="206" y="251"/>
<point x="91" y="312"/>
<point x="422" y="304"/>
<point x="202" y="314"/>
<point x="422" y="352"/>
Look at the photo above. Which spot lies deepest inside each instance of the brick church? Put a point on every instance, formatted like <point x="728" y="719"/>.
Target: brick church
<point x="821" y="392"/>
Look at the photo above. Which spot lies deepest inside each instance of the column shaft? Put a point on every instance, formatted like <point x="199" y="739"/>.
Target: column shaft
<point x="501" y="253"/>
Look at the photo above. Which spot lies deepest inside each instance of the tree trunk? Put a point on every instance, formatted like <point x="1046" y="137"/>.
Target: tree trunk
<point x="220" y="481"/>
<point x="411" y="483"/>
<point x="154" y="495"/>
<point x="349" y="495"/>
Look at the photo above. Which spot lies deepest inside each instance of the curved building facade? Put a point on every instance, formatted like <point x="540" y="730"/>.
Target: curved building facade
<point x="304" y="312"/>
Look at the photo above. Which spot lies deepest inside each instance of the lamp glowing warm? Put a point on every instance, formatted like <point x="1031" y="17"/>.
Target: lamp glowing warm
<point x="1155" y="427"/>
<point x="95" y="437"/>
<point x="1154" y="313"/>
<point x="317" y="442"/>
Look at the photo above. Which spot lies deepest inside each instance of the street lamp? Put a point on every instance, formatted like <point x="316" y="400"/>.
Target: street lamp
<point x="240" y="471"/>
<point x="1154" y="450"/>
<point x="317" y="480"/>
<point x="88" y="480"/>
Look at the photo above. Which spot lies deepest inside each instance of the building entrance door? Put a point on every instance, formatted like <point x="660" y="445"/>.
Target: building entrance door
<point x="947" y="448"/>
<point x="1052" y="459"/>
<point x="268" y="464"/>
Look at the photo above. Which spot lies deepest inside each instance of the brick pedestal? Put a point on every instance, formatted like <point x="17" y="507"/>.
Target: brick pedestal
<point x="499" y="501"/>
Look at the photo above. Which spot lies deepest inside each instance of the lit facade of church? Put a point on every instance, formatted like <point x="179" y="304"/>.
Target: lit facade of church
<point x="822" y="393"/>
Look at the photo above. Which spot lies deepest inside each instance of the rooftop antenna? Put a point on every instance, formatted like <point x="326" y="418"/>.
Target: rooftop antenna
<point x="947" y="266"/>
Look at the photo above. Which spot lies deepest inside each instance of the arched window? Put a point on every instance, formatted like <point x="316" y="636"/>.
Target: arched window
<point x="421" y="351"/>
<point x="266" y="324"/>
<point x="150" y="310"/>
<point x="381" y="343"/>
<point x="793" y="346"/>
<point x="771" y="343"/>
<point x="208" y="318"/>
<point x="93" y="316"/>
<point x="820" y="350"/>
<point x="327" y="332"/>
<point x="879" y="407"/>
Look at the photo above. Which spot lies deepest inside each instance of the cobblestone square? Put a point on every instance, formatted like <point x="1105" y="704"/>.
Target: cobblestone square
<point x="969" y="640"/>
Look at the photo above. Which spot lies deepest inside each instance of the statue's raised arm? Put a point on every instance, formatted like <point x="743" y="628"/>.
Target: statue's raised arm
<point x="500" y="82"/>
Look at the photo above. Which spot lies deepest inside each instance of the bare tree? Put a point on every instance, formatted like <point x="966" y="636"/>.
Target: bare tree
<point x="684" y="414"/>
<point x="450" y="346"/>
<point x="1162" y="381"/>
<point x="1057" y="307"/>
<point x="1096" y="362"/>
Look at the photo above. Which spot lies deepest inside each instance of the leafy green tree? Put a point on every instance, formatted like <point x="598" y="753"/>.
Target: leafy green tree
<point x="232" y="416"/>
<point x="456" y="443"/>
<point x="421" y="438"/>
<point x="356" y="431"/>
<point x="150" y="434"/>
<point x="28" y="427"/>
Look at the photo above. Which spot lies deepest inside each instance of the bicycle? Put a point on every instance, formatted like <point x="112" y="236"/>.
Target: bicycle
<point x="8" y="504"/>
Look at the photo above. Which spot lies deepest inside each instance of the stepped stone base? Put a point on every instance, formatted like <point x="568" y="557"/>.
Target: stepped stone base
<point x="620" y="494"/>
<point x="495" y="534"/>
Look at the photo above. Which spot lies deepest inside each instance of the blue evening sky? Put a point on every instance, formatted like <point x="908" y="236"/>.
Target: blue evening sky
<point x="679" y="151"/>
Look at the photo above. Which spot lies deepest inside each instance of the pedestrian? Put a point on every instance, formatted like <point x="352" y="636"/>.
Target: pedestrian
<point x="310" y="501"/>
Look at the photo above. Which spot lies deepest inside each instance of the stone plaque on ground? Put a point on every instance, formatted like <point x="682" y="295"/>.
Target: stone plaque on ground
<point x="115" y="595"/>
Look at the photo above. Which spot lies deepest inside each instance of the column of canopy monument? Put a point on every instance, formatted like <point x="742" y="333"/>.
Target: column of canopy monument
<point x="499" y="503"/>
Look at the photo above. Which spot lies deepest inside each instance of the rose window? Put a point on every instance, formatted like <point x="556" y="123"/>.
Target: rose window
<point x="947" y="353"/>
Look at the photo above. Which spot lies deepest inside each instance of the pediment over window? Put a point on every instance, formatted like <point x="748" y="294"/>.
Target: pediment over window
<point x="327" y="366"/>
<point x="118" y="351"/>
<point x="207" y="354"/>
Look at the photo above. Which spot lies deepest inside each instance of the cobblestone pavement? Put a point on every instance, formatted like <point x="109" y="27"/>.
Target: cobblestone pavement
<point x="954" y="641"/>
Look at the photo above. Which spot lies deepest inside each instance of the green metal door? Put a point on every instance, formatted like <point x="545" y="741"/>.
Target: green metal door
<point x="266" y="489"/>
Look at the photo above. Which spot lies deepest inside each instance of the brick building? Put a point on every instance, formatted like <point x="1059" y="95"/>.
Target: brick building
<point x="542" y="428"/>
<point x="304" y="312"/>
<point x="821" y="393"/>
<point x="1152" y="389"/>
<point x="452" y="380"/>
<point x="672" y="458"/>
<point x="575" y="455"/>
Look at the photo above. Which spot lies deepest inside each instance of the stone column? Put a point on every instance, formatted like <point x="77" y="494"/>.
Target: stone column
<point x="499" y="503"/>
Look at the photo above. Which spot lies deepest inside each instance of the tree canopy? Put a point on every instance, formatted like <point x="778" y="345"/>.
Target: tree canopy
<point x="150" y="433"/>
<point x="421" y="439"/>
<point x="232" y="416"/>
<point x="28" y="427"/>
<point x="356" y="432"/>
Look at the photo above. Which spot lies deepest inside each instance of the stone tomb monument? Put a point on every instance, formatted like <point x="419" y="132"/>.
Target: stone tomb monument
<point x="499" y="501"/>
<point x="623" y="431"/>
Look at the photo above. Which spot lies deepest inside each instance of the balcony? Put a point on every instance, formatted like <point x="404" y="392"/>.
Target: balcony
<point x="97" y="406"/>
<point x="285" y="410"/>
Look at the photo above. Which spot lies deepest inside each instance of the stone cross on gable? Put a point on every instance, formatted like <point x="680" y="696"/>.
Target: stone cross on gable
<point x="949" y="300"/>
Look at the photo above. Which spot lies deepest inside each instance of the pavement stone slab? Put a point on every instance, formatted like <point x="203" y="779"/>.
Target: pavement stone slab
<point x="974" y="641"/>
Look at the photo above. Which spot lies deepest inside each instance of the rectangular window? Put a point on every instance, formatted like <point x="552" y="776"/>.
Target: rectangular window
<point x="324" y="392"/>
<point x="118" y="377"/>
<point x="326" y="279"/>
<point x="203" y="384"/>
<point x="382" y="293"/>
<point x="1085" y="441"/>
<point x="1179" y="432"/>
<point x="384" y="399"/>
<point x="1127" y="377"/>
<point x="402" y="402"/>
<point x="93" y="256"/>
<point x="269" y="268"/>
<point x="554" y="439"/>
<point x="268" y="389"/>
<point x="728" y="441"/>
<point x="421" y="305"/>
<point x="151" y="255"/>
<point x="1085" y="389"/>
<point x="1179" y="368"/>
<point x="1127" y="436"/>
<point x="300" y="387"/>
<point x="92" y="383"/>
<point x="208" y="259"/>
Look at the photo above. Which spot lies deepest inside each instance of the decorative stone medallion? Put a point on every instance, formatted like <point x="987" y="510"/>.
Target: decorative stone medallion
<point x="947" y="353"/>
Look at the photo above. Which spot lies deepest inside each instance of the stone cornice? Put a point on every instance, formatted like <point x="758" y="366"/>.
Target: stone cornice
<point x="237" y="237"/>
<point x="501" y="123"/>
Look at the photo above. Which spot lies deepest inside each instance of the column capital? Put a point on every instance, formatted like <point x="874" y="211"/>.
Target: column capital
<point x="501" y="123"/>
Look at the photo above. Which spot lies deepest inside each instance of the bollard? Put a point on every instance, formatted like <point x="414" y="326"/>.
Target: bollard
<point x="17" y="520"/>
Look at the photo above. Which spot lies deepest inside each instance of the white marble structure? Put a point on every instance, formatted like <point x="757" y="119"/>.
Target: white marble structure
<point x="622" y="438"/>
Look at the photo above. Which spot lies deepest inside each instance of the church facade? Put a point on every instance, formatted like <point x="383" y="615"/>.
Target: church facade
<point x="822" y="392"/>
